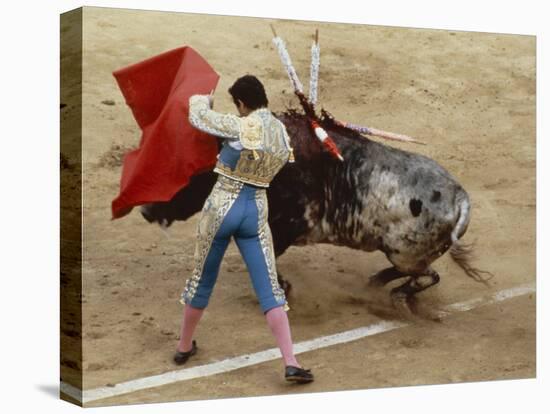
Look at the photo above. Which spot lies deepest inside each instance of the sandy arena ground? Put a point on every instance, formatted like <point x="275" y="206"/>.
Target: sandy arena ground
<point x="470" y="96"/>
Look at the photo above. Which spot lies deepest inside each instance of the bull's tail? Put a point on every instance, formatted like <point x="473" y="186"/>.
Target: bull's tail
<point x="463" y="216"/>
<point x="462" y="255"/>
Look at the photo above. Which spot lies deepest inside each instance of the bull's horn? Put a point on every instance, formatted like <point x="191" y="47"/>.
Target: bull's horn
<point x="163" y="224"/>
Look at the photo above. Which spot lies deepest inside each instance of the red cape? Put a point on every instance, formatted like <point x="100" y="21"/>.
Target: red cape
<point x="171" y="151"/>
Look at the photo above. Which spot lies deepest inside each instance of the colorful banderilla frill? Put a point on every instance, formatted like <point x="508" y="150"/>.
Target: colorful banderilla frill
<point x="287" y="63"/>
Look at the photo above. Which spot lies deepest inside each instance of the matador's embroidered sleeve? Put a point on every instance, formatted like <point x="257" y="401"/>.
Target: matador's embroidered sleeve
<point x="211" y="122"/>
<point x="248" y="130"/>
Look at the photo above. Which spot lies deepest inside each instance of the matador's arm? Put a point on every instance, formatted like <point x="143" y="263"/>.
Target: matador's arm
<point x="247" y="130"/>
<point x="214" y="123"/>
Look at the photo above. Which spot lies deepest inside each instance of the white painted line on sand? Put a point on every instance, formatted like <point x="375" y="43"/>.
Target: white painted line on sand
<point x="242" y="361"/>
<point x="489" y="300"/>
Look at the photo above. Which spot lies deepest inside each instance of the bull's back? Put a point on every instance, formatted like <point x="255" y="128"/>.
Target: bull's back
<point x="381" y="197"/>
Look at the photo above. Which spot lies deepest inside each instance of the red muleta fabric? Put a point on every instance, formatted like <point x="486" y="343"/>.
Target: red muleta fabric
<point x="171" y="151"/>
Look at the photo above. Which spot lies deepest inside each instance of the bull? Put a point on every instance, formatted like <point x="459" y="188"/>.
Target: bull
<point x="380" y="198"/>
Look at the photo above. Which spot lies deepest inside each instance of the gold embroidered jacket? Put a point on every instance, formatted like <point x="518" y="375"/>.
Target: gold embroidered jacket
<point x="261" y="139"/>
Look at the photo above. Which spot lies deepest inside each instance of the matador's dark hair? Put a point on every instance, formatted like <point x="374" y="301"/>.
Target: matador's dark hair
<point x="249" y="90"/>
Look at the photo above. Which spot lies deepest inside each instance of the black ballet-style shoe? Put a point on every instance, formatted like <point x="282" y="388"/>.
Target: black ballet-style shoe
<point x="181" y="358"/>
<point x="298" y="375"/>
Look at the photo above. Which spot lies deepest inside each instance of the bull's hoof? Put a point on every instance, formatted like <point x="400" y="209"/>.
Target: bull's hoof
<point x="402" y="304"/>
<point x="434" y="317"/>
<point x="423" y="312"/>
<point x="409" y="309"/>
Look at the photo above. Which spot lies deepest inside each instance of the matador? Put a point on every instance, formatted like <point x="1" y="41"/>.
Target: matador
<point x="255" y="148"/>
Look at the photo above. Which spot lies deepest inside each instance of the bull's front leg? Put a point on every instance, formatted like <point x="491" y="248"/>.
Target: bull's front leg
<point x="403" y="296"/>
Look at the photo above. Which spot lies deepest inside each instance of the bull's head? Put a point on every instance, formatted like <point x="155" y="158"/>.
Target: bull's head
<point x="188" y="201"/>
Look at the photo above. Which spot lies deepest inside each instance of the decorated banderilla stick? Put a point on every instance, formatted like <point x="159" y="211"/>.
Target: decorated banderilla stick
<point x="327" y="142"/>
<point x="314" y="70"/>
<point x="371" y="131"/>
<point x="287" y="62"/>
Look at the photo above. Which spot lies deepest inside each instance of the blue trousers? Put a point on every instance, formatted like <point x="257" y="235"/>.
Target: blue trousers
<point x="238" y="210"/>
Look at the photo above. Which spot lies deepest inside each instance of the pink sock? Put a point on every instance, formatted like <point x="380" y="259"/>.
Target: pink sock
<point x="278" y="322"/>
<point x="191" y="318"/>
